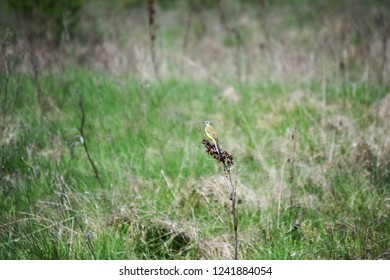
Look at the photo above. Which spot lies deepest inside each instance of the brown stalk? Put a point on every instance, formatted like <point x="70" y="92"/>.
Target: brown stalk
<point x="227" y="161"/>
<point x="84" y="142"/>
<point x="188" y="24"/>
<point x="152" y="34"/>
<point x="292" y="170"/>
<point x="238" y="42"/>
<point x="5" y="73"/>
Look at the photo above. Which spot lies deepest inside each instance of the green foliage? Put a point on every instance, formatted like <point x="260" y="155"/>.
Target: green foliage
<point x="142" y="134"/>
<point x="56" y="16"/>
<point x="163" y="197"/>
<point x="46" y="7"/>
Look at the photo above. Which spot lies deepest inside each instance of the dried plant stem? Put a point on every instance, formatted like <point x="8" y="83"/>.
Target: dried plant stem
<point x="35" y="67"/>
<point x="5" y="74"/>
<point x="227" y="161"/>
<point x="292" y="169"/>
<point x="238" y="42"/>
<point x="262" y="11"/>
<point x="84" y="142"/>
<point x="233" y="196"/>
<point x="188" y="25"/>
<point x="152" y="34"/>
<point x="384" y="55"/>
<point x="280" y="193"/>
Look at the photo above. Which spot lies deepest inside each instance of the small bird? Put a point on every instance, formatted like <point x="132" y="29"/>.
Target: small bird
<point x="212" y="134"/>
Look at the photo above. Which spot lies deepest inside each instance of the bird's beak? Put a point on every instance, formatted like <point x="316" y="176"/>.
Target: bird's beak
<point x="204" y="122"/>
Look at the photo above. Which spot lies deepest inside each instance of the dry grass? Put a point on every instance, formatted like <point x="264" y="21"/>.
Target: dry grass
<point x="321" y="78"/>
<point x="279" y="45"/>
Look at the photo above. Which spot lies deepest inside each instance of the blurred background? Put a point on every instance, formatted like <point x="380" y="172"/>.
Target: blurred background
<point x="203" y="39"/>
<point x="101" y="111"/>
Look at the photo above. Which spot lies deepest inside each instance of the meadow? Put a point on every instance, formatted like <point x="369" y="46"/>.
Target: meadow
<point x="101" y="154"/>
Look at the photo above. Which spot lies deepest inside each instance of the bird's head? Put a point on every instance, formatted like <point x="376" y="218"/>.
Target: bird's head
<point x="207" y="123"/>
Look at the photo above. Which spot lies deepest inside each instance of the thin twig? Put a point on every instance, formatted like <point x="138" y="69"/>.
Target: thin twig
<point x="233" y="196"/>
<point x="152" y="34"/>
<point x="84" y="142"/>
<point x="238" y="42"/>
<point x="292" y="170"/>
<point x="36" y="69"/>
<point x="280" y="193"/>
<point x="385" y="31"/>
<point x="188" y="24"/>
<point x="227" y="161"/>
<point x="5" y="74"/>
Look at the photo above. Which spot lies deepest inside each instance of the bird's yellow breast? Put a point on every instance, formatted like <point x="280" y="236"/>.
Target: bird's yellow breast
<point x="211" y="133"/>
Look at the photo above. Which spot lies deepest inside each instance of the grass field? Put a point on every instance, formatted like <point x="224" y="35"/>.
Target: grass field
<point x="300" y="100"/>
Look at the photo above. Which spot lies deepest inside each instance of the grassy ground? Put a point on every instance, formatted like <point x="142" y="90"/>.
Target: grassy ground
<point x="306" y="121"/>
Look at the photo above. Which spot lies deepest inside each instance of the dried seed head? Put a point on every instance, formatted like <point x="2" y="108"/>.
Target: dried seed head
<point x="223" y="157"/>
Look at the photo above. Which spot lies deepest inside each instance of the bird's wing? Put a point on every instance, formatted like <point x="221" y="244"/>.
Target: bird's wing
<point x="212" y="133"/>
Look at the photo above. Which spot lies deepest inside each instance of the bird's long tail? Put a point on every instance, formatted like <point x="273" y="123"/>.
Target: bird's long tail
<point x="217" y="146"/>
<point x="221" y="158"/>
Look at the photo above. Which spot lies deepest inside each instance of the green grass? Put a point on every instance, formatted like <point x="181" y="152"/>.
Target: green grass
<point x="135" y="132"/>
<point x="162" y="196"/>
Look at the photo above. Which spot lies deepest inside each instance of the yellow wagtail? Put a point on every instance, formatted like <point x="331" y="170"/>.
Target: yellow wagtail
<point x="212" y="134"/>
